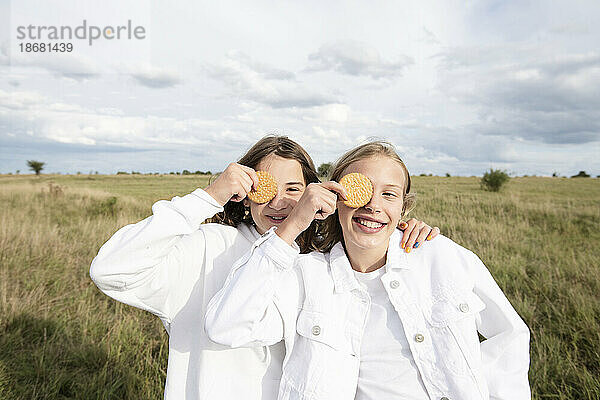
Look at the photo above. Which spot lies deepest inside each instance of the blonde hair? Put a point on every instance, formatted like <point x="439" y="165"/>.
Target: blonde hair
<point x="331" y="231"/>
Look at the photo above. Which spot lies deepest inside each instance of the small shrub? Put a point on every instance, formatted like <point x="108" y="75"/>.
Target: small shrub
<point x="448" y="175"/>
<point x="581" y="174"/>
<point x="323" y="169"/>
<point x="107" y="207"/>
<point x="494" y="179"/>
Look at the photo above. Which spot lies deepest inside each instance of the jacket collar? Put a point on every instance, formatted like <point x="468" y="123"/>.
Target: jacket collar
<point x="249" y="232"/>
<point x="341" y="270"/>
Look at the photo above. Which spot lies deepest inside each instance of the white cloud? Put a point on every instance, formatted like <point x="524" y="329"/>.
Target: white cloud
<point x="264" y="84"/>
<point x="527" y="93"/>
<point x="358" y="59"/>
<point x="153" y="77"/>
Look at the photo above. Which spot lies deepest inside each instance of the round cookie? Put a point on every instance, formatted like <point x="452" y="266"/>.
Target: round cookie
<point x="266" y="189"/>
<point x="359" y="189"/>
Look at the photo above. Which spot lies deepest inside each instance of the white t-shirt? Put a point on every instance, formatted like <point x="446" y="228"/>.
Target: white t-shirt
<point x="387" y="368"/>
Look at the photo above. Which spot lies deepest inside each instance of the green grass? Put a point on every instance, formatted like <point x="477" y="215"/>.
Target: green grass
<point x="61" y="338"/>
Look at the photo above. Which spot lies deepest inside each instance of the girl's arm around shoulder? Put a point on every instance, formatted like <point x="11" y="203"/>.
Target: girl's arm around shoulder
<point x="505" y="352"/>
<point x="144" y="264"/>
<point x="259" y="298"/>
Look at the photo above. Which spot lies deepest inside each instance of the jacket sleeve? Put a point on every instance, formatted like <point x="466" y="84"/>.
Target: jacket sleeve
<point x="505" y="352"/>
<point x="147" y="264"/>
<point x="258" y="298"/>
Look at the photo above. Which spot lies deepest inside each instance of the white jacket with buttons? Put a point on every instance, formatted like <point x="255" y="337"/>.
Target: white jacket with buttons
<point x="171" y="264"/>
<point x="442" y="293"/>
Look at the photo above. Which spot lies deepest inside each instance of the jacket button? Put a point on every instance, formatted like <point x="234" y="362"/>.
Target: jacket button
<point x="419" y="338"/>
<point x="316" y="330"/>
<point x="464" y="307"/>
<point x="394" y="284"/>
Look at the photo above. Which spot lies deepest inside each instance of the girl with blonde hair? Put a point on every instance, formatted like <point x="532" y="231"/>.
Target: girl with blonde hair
<point x="365" y="320"/>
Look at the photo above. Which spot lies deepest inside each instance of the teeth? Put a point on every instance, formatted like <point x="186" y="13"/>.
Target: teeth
<point x="277" y="218"/>
<point x="370" y="224"/>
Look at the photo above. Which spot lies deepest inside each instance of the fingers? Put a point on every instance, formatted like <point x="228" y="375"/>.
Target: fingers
<point x="325" y="211"/>
<point x="251" y="173"/>
<point x="412" y="238"/>
<point x="434" y="232"/>
<point x="415" y="233"/>
<point x="408" y="228"/>
<point x="241" y="188"/>
<point x="322" y="200"/>
<point x="336" y="187"/>
<point x="422" y="236"/>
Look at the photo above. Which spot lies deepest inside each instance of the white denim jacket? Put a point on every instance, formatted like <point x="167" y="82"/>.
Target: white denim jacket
<point x="443" y="294"/>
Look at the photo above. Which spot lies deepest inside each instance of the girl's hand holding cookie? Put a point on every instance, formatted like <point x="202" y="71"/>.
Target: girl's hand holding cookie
<point x="233" y="184"/>
<point x="317" y="202"/>
<point x="265" y="190"/>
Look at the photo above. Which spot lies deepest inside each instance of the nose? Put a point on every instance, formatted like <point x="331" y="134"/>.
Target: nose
<point x="279" y="202"/>
<point x="373" y="205"/>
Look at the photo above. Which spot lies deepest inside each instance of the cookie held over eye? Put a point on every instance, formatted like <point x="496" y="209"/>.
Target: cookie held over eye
<point x="266" y="189"/>
<point x="359" y="189"/>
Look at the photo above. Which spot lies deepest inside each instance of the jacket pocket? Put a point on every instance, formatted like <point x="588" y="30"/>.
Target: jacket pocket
<point x="453" y="328"/>
<point x="322" y="328"/>
<point x="320" y="356"/>
<point x="463" y="305"/>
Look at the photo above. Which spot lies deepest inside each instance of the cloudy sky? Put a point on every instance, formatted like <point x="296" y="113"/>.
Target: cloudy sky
<point x="458" y="87"/>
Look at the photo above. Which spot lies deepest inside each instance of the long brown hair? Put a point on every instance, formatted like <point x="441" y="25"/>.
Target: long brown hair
<point x="235" y="213"/>
<point x="331" y="230"/>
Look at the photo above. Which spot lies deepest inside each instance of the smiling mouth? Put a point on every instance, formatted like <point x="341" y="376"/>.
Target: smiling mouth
<point x="368" y="225"/>
<point x="276" y="219"/>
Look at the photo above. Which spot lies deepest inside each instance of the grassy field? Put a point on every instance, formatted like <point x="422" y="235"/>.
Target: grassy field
<point x="61" y="338"/>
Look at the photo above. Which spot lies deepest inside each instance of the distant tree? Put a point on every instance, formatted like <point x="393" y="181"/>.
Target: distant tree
<point x="494" y="179"/>
<point x="447" y="175"/>
<point x="35" y="166"/>
<point x="323" y="169"/>
<point x="555" y="174"/>
<point x="95" y="172"/>
<point x="18" y="171"/>
<point x="581" y="174"/>
<point x="186" y="172"/>
<point x="122" y="173"/>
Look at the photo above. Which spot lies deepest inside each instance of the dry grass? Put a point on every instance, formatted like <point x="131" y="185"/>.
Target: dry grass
<point x="61" y="338"/>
